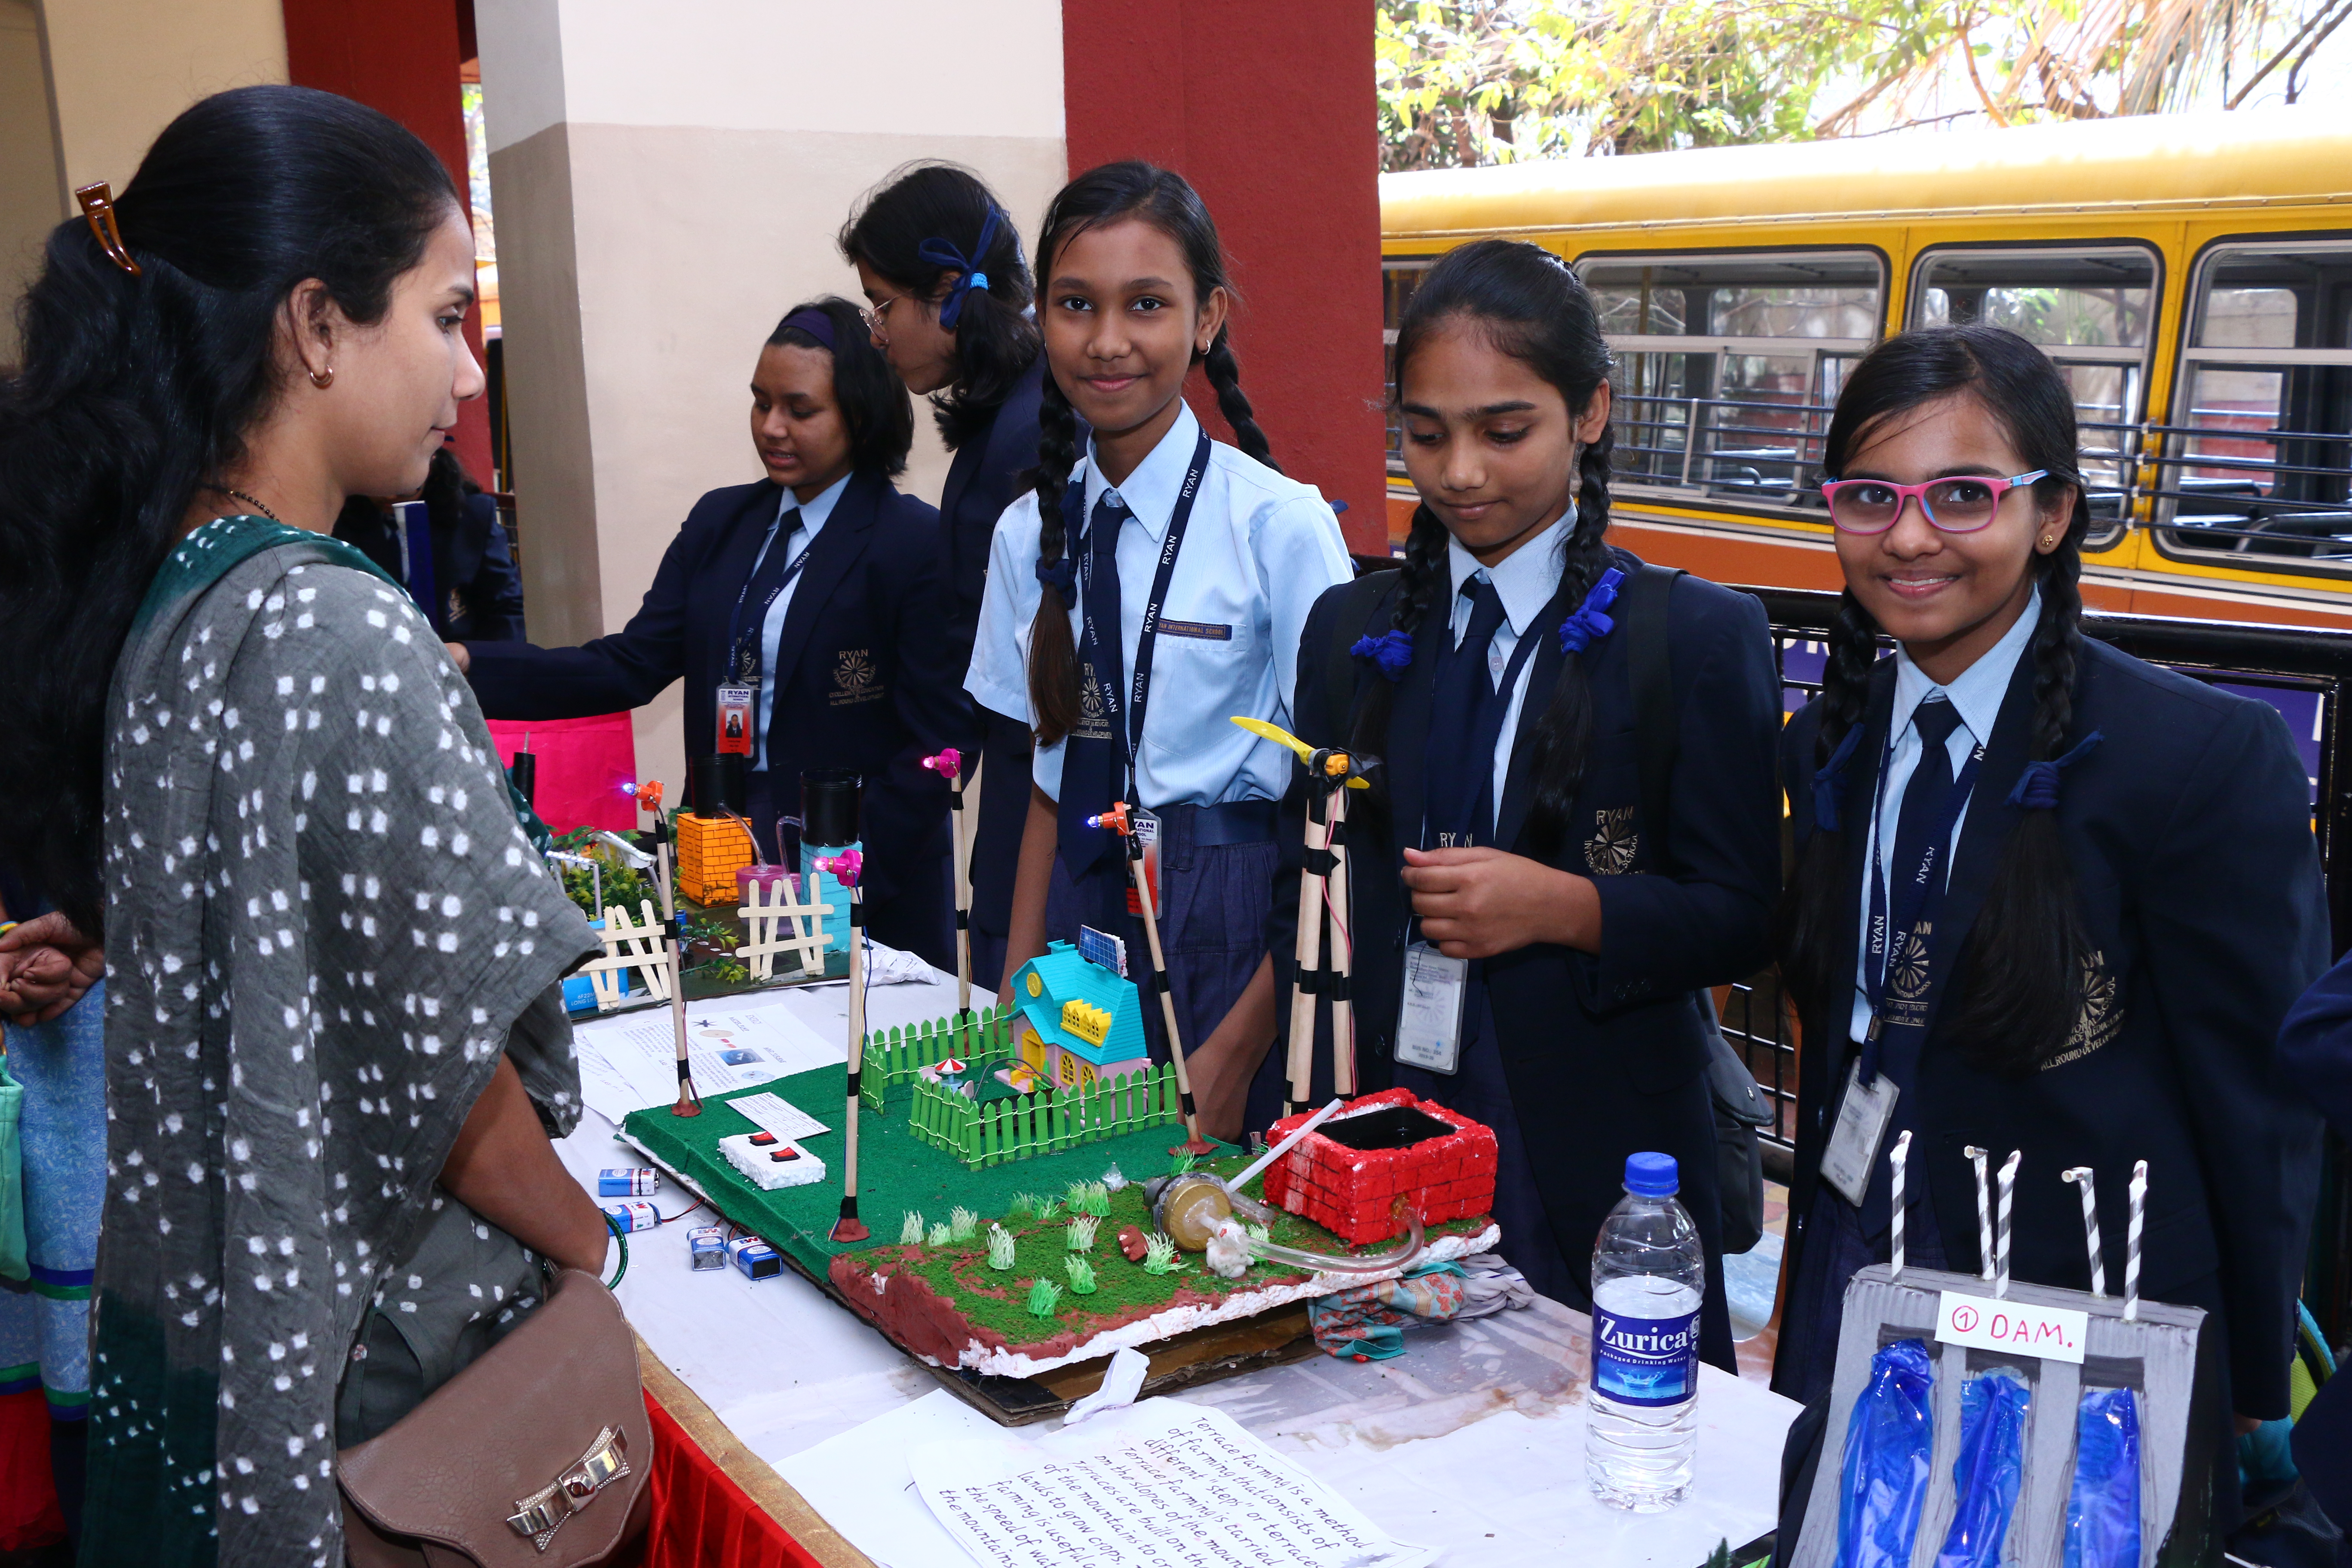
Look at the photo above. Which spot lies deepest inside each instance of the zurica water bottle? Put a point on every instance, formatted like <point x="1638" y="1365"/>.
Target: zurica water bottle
<point x="1648" y="1278"/>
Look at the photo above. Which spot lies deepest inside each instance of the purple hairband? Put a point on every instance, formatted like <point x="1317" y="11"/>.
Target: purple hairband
<point x="815" y="323"/>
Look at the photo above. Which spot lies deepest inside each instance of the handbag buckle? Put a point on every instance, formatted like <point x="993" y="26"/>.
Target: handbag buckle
<point x="541" y="1514"/>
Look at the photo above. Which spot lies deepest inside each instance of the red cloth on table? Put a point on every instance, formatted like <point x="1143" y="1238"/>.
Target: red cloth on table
<point x="700" y="1517"/>
<point x="582" y="764"/>
<point x="28" y="1498"/>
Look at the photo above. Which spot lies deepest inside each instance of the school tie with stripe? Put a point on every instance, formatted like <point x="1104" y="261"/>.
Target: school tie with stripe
<point x="1465" y="708"/>
<point x="1091" y="758"/>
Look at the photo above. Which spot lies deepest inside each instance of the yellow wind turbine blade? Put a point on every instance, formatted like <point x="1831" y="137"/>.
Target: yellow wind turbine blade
<point x="1282" y="737"/>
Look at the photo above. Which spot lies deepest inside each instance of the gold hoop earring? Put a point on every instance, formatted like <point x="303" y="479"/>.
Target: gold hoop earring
<point x="323" y="379"/>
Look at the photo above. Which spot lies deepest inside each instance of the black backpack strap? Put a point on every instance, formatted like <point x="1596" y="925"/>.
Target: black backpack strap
<point x="1642" y="610"/>
<point x="1356" y="606"/>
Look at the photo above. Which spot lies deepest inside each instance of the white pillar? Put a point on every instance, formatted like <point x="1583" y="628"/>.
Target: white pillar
<point x="668" y="183"/>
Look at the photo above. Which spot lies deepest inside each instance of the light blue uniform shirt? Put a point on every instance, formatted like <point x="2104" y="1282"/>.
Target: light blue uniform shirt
<point x="1525" y="581"/>
<point x="772" y="630"/>
<point x="1258" y="551"/>
<point x="1977" y="694"/>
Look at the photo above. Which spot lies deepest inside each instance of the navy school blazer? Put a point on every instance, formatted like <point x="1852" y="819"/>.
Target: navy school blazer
<point x="982" y="482"/>
<point x="2188" y="829"/>
<point x="868" y="676"/>
<point x="1605" y="1054"/>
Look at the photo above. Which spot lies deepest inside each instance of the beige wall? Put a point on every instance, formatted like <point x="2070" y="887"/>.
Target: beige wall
<point x="30" y="205"/>
<point x="120" y="70"/>
<point x="84" y="87"/>
<point x="664" y="195"/>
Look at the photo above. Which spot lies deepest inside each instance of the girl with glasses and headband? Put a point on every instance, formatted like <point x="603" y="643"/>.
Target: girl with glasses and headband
<point x="948" y="300"/>
<point x="2047" y="898"/>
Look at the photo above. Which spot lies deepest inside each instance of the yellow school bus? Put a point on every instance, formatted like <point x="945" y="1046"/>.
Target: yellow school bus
<point x="2190" y="274"/>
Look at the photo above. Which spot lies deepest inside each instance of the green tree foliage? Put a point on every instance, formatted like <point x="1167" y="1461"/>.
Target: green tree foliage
<point x="1465" y="82"/>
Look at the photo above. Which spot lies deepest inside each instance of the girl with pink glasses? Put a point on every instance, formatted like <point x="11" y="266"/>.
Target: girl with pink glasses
<point x="2047" y="898"/>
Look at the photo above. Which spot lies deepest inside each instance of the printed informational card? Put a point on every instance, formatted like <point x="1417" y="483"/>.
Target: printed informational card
<point x="1159" y="1483"/>
<point x="770" y="1113"/>
<point x="631" y="1062"/>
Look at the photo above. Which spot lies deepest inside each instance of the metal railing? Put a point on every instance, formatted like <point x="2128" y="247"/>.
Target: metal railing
<point x="2310" y="662"/>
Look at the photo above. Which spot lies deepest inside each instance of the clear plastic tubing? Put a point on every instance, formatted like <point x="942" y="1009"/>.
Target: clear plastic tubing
<point x="1648" y="1277"/>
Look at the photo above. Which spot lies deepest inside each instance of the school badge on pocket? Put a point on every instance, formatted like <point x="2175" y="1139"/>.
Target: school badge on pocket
<point x="1610" y="851"/>
<point x="854" y="678"/>
<point x="2100" y="1018"/>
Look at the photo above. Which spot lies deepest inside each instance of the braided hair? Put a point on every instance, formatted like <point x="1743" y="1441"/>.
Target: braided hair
<point x="1530" y="306"/>
<point x="2028" y="951"/>
<point x="1101" y="196"/>
<point x="996" y="340"/>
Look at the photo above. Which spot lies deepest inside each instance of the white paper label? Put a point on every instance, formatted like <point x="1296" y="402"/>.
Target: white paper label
<point x="2051" y="1333"/>
<point x="770" y="1113"/>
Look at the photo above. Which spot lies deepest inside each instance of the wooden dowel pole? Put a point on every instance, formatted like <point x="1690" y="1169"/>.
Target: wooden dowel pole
<point x="1299" y="1060"/>
<point x="1193" y="1143"/>
<point x="690" y="1101"/>
<point x="1343" y="952"/>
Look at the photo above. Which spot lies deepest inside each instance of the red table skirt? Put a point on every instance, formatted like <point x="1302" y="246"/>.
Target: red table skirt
<point x="700" y="1517"/>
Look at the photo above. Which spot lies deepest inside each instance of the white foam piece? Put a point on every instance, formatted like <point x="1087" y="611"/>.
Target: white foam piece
<point x="767" y="1175"/>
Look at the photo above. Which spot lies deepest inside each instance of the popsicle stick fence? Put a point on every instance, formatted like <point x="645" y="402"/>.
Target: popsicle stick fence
<point x="1006" y="1130"/>
<point x="776" y="922"/>
<point x="895" y="1058"/>
<point x="629" y="946"/>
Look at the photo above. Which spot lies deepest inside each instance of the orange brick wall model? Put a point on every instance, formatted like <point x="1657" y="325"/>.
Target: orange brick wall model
<point x="1353" y="1193"/>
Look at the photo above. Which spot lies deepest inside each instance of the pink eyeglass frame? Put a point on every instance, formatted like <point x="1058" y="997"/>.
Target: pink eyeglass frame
<point x="1908" y="493"/>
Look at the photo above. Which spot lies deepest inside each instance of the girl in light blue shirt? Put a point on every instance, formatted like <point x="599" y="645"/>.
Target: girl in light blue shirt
<point x="1146" y="592"/>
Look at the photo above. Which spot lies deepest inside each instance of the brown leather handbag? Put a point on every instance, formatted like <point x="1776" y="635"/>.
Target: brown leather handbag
<point x="536" y="1456"/>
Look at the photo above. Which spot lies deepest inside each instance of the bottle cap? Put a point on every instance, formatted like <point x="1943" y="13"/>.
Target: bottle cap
<point x="1652" y="1176"/>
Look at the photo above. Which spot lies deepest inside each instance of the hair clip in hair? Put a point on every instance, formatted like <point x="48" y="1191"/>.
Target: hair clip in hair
<point x="1829" y="783"/>
<point x="943" y="254"/>
<point x="1061" y="576"/>
<point x="1391" y="653"/>
<point x="97" y="200"/>
<point x="1590" y="625"/>
<point x="2037" y="786"/>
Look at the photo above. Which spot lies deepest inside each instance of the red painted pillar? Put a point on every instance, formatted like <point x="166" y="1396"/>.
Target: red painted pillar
<point x="1269" y="112"/>
<point x="401" y="56"/>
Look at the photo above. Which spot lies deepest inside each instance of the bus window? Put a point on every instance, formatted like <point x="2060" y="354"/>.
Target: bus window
<point x="1727" y="366"/>
<point x="2255" y="460"/>
<point x="1397" y="281"/>
<point x="2091" y="311"/>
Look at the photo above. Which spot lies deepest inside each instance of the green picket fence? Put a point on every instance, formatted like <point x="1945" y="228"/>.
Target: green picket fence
<point x="894" y="1056"/>
<point x="1043" y="1124"/>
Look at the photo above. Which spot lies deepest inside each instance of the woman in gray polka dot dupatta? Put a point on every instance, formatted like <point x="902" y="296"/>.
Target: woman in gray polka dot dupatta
<point x="334" y="1056"/>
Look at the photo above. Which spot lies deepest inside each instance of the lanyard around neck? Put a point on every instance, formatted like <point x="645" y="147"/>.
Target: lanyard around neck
<point x="1126" y="723"/>
<point x="1919" y="897"/>
<point x="745" y="662"/>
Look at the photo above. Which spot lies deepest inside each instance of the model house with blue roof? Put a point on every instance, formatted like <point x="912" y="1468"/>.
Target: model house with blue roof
<point x="1078" y="1022"/>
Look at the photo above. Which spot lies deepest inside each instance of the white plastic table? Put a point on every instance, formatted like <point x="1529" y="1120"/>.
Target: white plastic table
<point x="1473" y="1439"/>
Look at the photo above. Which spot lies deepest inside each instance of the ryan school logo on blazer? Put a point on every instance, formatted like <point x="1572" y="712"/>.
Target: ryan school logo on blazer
<point x="2101" y="1018"/>
<point x="854" y="678"/>
<point x="1615" y="841"/>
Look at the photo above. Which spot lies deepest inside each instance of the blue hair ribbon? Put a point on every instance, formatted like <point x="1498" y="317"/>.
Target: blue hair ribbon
<point x="1829" y="783"/>
<point x="942" y="254"/>
<point x="1589" y="624"/>
<point x="2037" y="786"/>
<point x="1391" y="653"/>
<point x="1061" y="576"/>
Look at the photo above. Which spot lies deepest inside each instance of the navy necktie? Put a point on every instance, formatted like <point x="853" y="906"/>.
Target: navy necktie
<point x="1465" y="707"/>
<point x="1899" y="1042"/>
<point x="1092" y="760"/>
<point x="750" y="633"/>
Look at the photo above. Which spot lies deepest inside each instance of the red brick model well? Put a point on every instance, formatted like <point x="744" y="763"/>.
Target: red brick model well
<point x="1348" y="1174"/>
